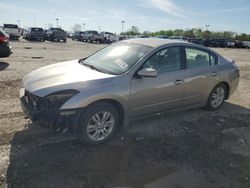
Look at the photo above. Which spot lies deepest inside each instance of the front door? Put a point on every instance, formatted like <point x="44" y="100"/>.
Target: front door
<point x="165" y="91"/>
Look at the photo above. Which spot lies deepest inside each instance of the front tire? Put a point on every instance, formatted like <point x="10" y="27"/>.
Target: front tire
<point x="217" y="97"/>
<point x="98" y="123"/>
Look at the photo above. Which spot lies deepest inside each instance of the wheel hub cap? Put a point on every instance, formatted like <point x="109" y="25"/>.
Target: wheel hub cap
<point x="100" y="126"/>
<point x="217" y="97"/>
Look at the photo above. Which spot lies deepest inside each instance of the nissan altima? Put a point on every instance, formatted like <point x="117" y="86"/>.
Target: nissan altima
<point x="97" y="95"/>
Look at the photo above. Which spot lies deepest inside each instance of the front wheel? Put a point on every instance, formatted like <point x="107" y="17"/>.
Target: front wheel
<point x="216" y="97"/>
<point x="98" y="123"/>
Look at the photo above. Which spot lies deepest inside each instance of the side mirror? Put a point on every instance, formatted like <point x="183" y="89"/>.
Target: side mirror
<point x="147" y="72"/>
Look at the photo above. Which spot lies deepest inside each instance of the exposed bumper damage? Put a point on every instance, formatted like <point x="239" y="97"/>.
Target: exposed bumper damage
<point x="37" y="109"/>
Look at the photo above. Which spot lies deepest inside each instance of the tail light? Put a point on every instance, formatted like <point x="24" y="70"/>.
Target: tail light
<point x="4" y="39"/>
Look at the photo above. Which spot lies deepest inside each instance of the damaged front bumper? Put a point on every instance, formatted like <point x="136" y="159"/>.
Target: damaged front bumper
<point x="40" y="113"/>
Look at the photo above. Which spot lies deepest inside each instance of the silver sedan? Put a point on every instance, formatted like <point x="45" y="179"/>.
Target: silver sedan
<point x="97" y="95"/>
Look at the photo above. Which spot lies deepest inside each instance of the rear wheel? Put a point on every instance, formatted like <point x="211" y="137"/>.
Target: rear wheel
<point x="98" y="123"/>
<point x="216" y="97"/>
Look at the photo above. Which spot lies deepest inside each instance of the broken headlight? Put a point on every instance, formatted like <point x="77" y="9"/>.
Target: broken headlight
<point x="56" y="100"/>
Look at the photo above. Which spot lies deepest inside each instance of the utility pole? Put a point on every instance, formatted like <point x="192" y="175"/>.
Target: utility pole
<point x="19" y="23"/>
<point x="207" y="26"/>
<point x="57" y="19"/>
<point x="34" y="16"/>
<point x="122" y="25"/>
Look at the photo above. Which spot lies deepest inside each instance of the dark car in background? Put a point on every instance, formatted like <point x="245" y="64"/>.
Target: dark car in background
<point x="196" y="41"/>
<point x="34" y="33"/>
<point x="218" y="43"/>
<point x="5" y="48"/>
<point x="78" y="35"/>
<point x="56" y="34"/>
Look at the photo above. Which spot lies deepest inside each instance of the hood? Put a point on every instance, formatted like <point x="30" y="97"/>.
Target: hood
<point x="60" y="76"/>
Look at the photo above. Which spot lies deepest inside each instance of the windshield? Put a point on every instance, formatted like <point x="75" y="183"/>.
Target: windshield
<point x="117" y="58"/>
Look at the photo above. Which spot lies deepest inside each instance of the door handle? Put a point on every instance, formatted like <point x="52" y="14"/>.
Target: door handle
<point x="178" y="82"/>
<point x="214" y="73"/>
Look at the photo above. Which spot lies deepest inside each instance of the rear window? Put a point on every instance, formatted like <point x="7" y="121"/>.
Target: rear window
<point x="199" y="58"/>
<point x="36" y="29"/>
<point x="10" y="26"/>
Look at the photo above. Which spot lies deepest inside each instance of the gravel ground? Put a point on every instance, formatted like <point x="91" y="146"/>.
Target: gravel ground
<point x="200" y="148"/>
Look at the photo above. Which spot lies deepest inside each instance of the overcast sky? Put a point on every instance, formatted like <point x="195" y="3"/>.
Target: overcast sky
<point x="150" y="15"/>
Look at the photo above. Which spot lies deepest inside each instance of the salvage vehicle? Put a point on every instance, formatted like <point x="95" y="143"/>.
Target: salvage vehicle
<point x="78" y="35"/>
<point x="97" y="95"/>
<point x="246" y="44"/>
<point x="12" y="30"/>
<point x="108" y="37"/>
<point x="231" y="43"/>
<point x="5" y="48"/>
<point x="56" y="34"/>
<point x="34" y="33"/>
<point x="91" y="36"/>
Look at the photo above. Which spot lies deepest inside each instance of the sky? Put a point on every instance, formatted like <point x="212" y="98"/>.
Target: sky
<point x="147" y="15"/>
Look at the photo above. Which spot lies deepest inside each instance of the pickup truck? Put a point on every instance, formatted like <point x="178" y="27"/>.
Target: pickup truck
<point x="34" y="33"/>
<point x="56" y="34"/>
<point x="91" y="36"/>
<point x="77" y="35"/>
<point x="108" y="37"/>
<point x="12" y="30"/>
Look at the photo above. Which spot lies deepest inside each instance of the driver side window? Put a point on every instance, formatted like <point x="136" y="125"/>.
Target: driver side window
<point x="166" y="60"/>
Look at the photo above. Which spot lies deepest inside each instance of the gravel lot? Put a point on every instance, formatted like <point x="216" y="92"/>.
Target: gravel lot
<point x="193" y="148"/>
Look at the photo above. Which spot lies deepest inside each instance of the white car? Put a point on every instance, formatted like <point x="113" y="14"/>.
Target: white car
<point x="12" y="30"/>
<point x="246" y="44"/>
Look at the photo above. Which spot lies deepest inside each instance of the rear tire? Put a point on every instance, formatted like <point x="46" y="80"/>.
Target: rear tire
<point x="217" y="97"/>
<point x="98" y="123"/>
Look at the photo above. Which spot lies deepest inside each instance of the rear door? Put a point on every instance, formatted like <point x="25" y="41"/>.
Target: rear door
<point x="201" y="75"/>
<point x="165" y="91"/>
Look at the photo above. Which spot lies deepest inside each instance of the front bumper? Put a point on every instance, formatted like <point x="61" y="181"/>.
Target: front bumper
<point x="58" y="119"/>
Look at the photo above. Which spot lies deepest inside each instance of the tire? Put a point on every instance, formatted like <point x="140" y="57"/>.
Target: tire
<point x="91" y="128"/>
<point x="217" y="97"/>
<point x="64" y="40"/>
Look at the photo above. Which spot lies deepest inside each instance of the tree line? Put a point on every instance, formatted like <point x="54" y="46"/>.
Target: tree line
<point x="191" y="33"/>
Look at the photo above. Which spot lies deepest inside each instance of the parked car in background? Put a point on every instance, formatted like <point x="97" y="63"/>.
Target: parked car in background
<point x="178" y="38"/>
<point x="222" y="43"/>
<point x="5" y="48"/>
<point x="12" y="30"/>
<point x="246" y="44"/>
<point x="34" y="33"/>
<point x="56" y="34"/>
<point x="239" y="44"/>
<point x="77" y="35"/>
<point x="97" y="95"/>
<point x="108" y="37"/>
<point x="161" y="36"/>
<point x="91" y="36"/>
<point x="196" y="41"/>
<point x="230" y="43"/>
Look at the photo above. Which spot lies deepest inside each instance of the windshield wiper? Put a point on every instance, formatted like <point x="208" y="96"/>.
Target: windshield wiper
<point x="92" y="67"/>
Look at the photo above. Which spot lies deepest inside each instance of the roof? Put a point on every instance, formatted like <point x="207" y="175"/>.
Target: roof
<point x="153" y="42"/>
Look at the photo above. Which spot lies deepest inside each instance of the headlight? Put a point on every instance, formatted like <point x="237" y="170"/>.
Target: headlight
<point x="56" y="100"/>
